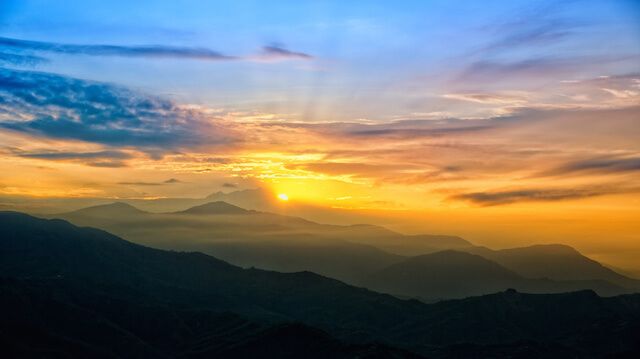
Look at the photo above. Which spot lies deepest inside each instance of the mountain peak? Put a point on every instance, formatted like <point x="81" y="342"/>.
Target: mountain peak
<point x="109" y="209"/>
<point x="217" y="207"/>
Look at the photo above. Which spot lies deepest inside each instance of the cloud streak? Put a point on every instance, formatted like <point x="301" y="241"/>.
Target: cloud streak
<point x="487" y="98"/>
<point x="19" y="52"/>
<point x="600" y="165"/>
<point x="274" y="52"/>
<point x="152" y="51"/>
<point x="109" y="158"/>
<point x="495" y="198"/>
<point x="170" y="181"/>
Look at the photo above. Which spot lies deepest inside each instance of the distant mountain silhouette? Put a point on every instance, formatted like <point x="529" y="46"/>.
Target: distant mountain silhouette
<point x="107" y="210"/>
<point x="31" y="247"/>
<point x="259" y="239"/>
<point x="454" y="274"/>
<point x="218" y="207"/>
<point x="349" y="262"/>
<point x="249" y="239"/>
<point x="82" y="291"/>
<point x="554" y="261"/>
<point x="257" y="198"/>
<point x="355" y="254"/>
<point x="446" y="274"/>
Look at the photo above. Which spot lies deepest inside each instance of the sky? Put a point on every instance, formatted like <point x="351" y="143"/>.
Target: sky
<point x="508" y="122"/>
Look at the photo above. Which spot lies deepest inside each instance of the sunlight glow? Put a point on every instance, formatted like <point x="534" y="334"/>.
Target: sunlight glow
<point x="283" y="197"/>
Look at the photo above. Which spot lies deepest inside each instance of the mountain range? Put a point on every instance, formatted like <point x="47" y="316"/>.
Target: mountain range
<point x="74" y="292"/>
<point x="428" y="267"/>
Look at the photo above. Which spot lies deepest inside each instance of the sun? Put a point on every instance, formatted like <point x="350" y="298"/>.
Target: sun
<point x="283" y="197"/>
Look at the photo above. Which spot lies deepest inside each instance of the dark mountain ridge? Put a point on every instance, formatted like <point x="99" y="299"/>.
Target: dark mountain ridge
<point x="554" y="261"/>
<point x="87" y="272"/>
<point x="456" y="274"/>
<point x="217" y="207"/>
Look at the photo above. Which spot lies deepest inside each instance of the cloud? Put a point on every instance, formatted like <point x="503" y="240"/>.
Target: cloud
<point x="59" y="107"/>
<point x="76" y="155"/>
<point x="274" y="52"/>
<point x="544" y="34"/>
<point x="229" y="185"/>
<point x="415" y="132"/>
<point x="396" y="129"/>
<point x="95" y="159"/>
<point x="140" y="183"/>
<point x="154" y="51"/>
<point x="536" y="195"/>
<point x="602" y="165"/>
<point x="621" y="93"/>
<point x="107" y="164"/>
<point x="538" y="32"/>
<point x="537" y="67"/>
<point x="7" y="58"/>
<point x="345" y="168"/>
<point x="26" y="48"/>
<point x="487" y="98"/>
<point x="529" y="30"/>
<point x="540" y="66"/>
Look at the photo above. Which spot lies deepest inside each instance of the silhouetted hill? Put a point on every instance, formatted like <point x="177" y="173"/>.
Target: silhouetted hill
<point x="218" y="207"/>
<point x="106" y="210"/>
<point x="446" y="274"/>
<point x="353" y="254"/>
<point x="554" y="261"/>
<point x="84" y="291"/>
<point x="32" y="247"/>
<point x="249" y="239"/>
<point x="58" y="318"/>
<point x="454" y="274"/>
<point x="528" y="322"/>
<point x="349" y="262"/>
<point x="396" y="243"/>
<point x="249" y="198"/>
<point x="258" y="239"/>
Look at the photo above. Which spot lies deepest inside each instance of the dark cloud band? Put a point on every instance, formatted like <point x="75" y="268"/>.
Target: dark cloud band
<point x="61" y="107"/>
<point x="115" y="50"/>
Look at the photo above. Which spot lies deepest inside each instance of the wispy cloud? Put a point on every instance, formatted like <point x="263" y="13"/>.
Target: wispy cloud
<point x="536" y="42"/>
<point x="539" y="66"/>
<point x="276" y="52"/>
<point x="489" y="69"/>
<point x="350" y="169"/>
<point x="142" y="183"/>
<point x="110" y="158"/>
<point x="488" y="98"/>
<point x="158" y="51"/>
<point x="77" y="155"/>
<point x="395" y="129"/>
<point x="602" y="165"/>
<point x="622" y="93"/>
<point x="536" y="33"/>
<point x="22" y="52"/>
<point x="495" y="198"/>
